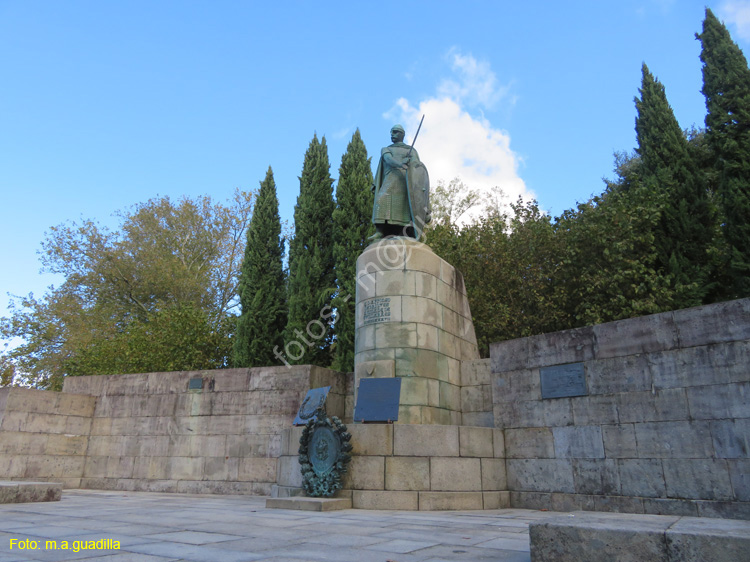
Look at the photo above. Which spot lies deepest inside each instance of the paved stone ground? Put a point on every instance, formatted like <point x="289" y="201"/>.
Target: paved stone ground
<point x="166" y="527"/>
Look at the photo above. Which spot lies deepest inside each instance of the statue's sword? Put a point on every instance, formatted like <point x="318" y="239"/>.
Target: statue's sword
<point x="417" y="228"/>
<point x="415" y="138"/>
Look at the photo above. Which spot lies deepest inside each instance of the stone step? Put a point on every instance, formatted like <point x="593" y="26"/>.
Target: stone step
<point x="309" y="504"/>
<point x="22" y="492"/>
<point x="278" y="491"/>
<point x="591" y="537"/>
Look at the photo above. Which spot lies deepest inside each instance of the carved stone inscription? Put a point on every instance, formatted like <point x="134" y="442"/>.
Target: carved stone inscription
<point x="560" y="381"/>
<point x="378" y="310"/>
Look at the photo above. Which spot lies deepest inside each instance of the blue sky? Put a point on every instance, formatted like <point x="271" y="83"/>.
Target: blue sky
<point x="107" y="104"/>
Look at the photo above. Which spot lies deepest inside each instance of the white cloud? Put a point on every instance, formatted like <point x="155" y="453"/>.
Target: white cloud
<point x="476" y="85"/>
<point x="342" y="133"/>
<point x="453" y="142"/>
<point x="665" y="5"/>
<point x="737" y="14"/>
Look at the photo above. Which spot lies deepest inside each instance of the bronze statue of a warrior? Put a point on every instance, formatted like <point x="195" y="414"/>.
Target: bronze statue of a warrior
<point x="402" y="190"/>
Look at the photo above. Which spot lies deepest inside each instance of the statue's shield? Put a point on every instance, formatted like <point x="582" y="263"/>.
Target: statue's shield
<point x="418" y="184"/>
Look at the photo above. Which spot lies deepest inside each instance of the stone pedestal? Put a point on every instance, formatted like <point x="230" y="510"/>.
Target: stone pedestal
<point x="413" y="321"/>
<point x="408" y="467"/>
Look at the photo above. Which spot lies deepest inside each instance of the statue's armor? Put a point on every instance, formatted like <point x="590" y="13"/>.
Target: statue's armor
<point x="392" y="195"/>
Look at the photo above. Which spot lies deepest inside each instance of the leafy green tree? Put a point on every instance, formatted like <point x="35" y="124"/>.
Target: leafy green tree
<point x="352" y="225"/>
<point x="527" y="274"/>
<point x="262" y="285"/>
<point x="452" y="201"/>
<point x="508" y="263"/>
<point x="177" y="337"/>
<point x="7" y="370"/>
<point x="726" y="86"/>
<point x="311" y="269"/>
<point x="609" y="260"/>
<point x="687" y="224"/>
<point x="167" y="261"/>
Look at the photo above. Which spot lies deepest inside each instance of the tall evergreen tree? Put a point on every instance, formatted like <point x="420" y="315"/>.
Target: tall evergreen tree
<point x="311" y="269"/>
<point x="726" y="86"/>
<point x="686" y="226"/>
<point x="262" y="287"/>
<point x="352" y="225"/>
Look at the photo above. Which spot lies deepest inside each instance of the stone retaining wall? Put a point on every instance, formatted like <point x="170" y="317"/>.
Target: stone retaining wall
<point x="663" y="427"/>
<point x="660" y="425"/>
<point x="152" y="432"/>
<point x="230" y="432"/>
<point x="44" y="435"/>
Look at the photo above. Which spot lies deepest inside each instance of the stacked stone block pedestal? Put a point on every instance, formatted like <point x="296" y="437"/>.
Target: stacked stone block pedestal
<point x="413" y="321"/>
<point x="413" y="467"/>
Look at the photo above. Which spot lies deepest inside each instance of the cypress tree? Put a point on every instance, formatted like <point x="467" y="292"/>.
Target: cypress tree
<point x="352" y="225"/>
<point x="686" y="225"/>
<point x="311" y="270"/>
<point x="726" y="86"/>
<point x="262" y="287"/>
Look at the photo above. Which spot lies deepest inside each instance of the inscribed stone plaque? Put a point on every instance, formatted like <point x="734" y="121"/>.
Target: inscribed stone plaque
<point x="377" y="310"/>
<point x="560" y="381"/>
<point x="315" y="398"/>
<point x="377" y="400"/>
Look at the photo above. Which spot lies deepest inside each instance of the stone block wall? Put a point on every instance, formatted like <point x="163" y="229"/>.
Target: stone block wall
<point x="44" y="435"/>
<point x="663" y="426"/>
<point x="414" y="467"/>
<point x="476" y="393"/>
<point x="152" y="432"/>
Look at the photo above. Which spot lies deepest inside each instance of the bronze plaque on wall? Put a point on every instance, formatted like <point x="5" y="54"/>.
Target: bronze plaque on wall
<point x="561" y="381"/>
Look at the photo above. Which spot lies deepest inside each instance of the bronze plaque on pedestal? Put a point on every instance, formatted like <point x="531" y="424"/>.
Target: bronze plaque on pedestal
<point x="378" y="400"/>
<point x="314" y="400"/>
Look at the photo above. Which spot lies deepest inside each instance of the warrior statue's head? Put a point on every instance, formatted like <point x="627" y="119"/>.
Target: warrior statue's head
<point x="397" y="133"/>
